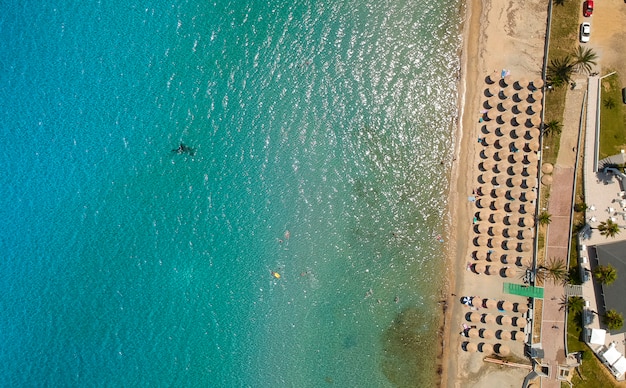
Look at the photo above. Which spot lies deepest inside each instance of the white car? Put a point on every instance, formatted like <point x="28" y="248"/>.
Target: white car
<point x="585" y="32"/>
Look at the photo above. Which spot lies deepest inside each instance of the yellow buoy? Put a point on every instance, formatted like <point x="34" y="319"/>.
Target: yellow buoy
<point x="276" y="275"/>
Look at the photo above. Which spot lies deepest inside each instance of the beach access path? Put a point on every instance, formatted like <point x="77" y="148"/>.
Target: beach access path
<point x="557" y="234"/>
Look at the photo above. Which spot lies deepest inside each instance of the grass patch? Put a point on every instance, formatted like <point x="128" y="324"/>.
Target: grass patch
<point x="563" y="39"/>
<point x="612" y="118"/>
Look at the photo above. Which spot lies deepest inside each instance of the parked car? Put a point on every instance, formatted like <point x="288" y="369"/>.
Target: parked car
<point x="585" y="32"/>
<point x="587" y="8"/>
<point x="624" y="95"/>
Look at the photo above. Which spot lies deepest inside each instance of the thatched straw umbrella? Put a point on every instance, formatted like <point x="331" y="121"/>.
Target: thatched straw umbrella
<point x="515" y="192"/>
<point x="499" y="203"/>
<point x="496" y="230"/>
<point x="487" y="164"/>
<point x="506" y="80"/>
<point x="475" y="317"/>
<point x="547" y="168"/>
<point x="535" y="107"/>
<point x="515" y="157"/>
<point x="491" y="114"/>
<point x="526" y="261"/>
<point x="519" y="336"/>
<point x="521" y="83"/>
<point x="489" y="318"/>
<point x="506" y="105"/>
<point x="517" y="120"/>
<point x="482" y="241"/>
<point x="492" y="90"/>
<point x="487" y="153"/>
<point x="473" y="333"/>
<point x="503" y="334"/>
<point x="526" y="247"/>
<point x="516" y="169"/>
<point x="496" y="217"/>
<point x="499" y="192"/>
<point x="521" y="308"/>
<point x="546" y="180"/>
<point x="507" y="306"/>
<point x="486" y="333"/>
<point x="530" y="182"/>
<point x="537" y="83"/>
<point x="532" y="133"/>
<point x="530" y="195"/>
<point x="485" y="348"/>
<point x="494" y="77"/>
<point x="533" y="144"/>
<point x="490" y="138"/>
<point x="470" y="347"/>
<point x="537" y="95"/>
<point x="535" y="120"/>
<point x="529" y="208"/>
<point x="480" y="267"/>
<point x="510" y="272"/>
<point x="505" y="320"/>
<point x="521" y="95"/>
<point x="505" y="117"/>
<point x="502" y="350"/>
<point x="491" y="304"/>
<point x="527" y="233"/>
<point x="481" y="228"/>
<point x="516" y="181"/>
<point x="520" y="322"/>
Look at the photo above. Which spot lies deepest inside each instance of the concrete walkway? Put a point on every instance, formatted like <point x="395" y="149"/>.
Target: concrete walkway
<point x="557" y="235"/>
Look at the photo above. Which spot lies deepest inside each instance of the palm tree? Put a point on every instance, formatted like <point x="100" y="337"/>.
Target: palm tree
<point x="609" y="103"/>
<point x="605" y="274"/>
<point x="613" y="320"/>
<point x="559" y="2"/>
<point x="554" y="270"/>
<point x="544" y="218"/>
<point x="608" y="228"/>
<point x="583" y="59"/>
<point x="574" y="304"/>
<point x="552" y="127"/>
<point x="560" y="71"/>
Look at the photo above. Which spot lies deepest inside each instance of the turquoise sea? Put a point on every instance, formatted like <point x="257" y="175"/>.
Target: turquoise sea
<point x="321" y="134"/>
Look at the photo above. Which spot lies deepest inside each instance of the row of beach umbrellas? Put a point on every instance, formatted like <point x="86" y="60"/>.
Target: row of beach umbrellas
<point x="505" y="305"/>
<point x="497" y="230"/>
<point x="493" y="258"/>
<point x="498" y="334"/>
<point x="503" y="320"/>
<point x="496" y="217"/>
<point x="486" y="348"/>
<point x="520" y="83"/>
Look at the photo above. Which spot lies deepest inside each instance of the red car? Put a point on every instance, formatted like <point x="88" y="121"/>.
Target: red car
<point x="587" y="8"/>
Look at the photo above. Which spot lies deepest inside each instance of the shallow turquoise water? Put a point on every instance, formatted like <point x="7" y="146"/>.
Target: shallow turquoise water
<point x="127" y="264"/>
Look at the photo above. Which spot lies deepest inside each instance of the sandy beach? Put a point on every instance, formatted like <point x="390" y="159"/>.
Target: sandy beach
<point x="497" y="35"/>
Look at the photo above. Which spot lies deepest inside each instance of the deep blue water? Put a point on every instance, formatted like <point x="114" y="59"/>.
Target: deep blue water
<point x="318" y="130"/>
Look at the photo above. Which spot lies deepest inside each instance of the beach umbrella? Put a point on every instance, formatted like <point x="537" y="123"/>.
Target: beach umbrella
<point x="535" y="107"/>
<point x="505" y="117"/>
<point x="490" y="126"/>
<point x="533" y="133"/>
<point x="537" y="83"/>
<point x="515" y="157"/>
<point x="521" y="308"/>
<point x="489" y="318"/>
<point x="513" y="134"/>
<point x="507" y="306"/>
<point x="521" y="83"/>
<point x="506" y="80"/>
<point x="509" y="272"/>
<point x="482" y="253"/>
<point x="492" y="90"/>
<point x="535" y="120"/>
<point x="530" y="195"/>
<point x="474" y="317"/>
<point x="527" y="233"/>
<point x="529" y="208"/>
<point x="516" y="169"/>
<point x="492" y="269"/>
<point x="479" y="268"/>
<point x="486" y="333"/>
<point x="499" y="202"/>
<point x="521" y="95"/>
<point x="482" y="241"/>
<point x="490" y="102"/>
<point x="532" y="169"/>
<point x="506" y="104"/>
<point x="502" y="350"/>
<point x="515" y="192"/>
<point x="491" y="304"/>
<point x="488" y="164"/>
<point x="490" y="138"/>
<point x="494" y="77"/>
<point x="471" y="347"/>
<point x="503" y="334"/>
<point x="497" y="217"/>
<point x="516" y="181"/>
<point x="530" y="182"/>
<point x="481" y="228"/>
<point x="520" y="322"/>
<point x="499" y="191"/>
<point x="546" y="180"/>
<point x="519" y="336"/>
<point x="491" y="114"/>
<point x="547" y="168"/>
<point x="473" y="333"/>
<point x="496" y="230"/>
<point x="533" y="144"/>
<point x="487" y="153"/>
<point x="526" y="247"/>
<point x="537" y="95"/>
<point x="516" y="121"/>
<point x="505" y="320"/>
<point x="526" y="261"/>
<point x="485" y="348"/>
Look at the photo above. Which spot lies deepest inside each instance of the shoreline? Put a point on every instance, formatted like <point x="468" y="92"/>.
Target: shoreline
<point x="456" y="246"/>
